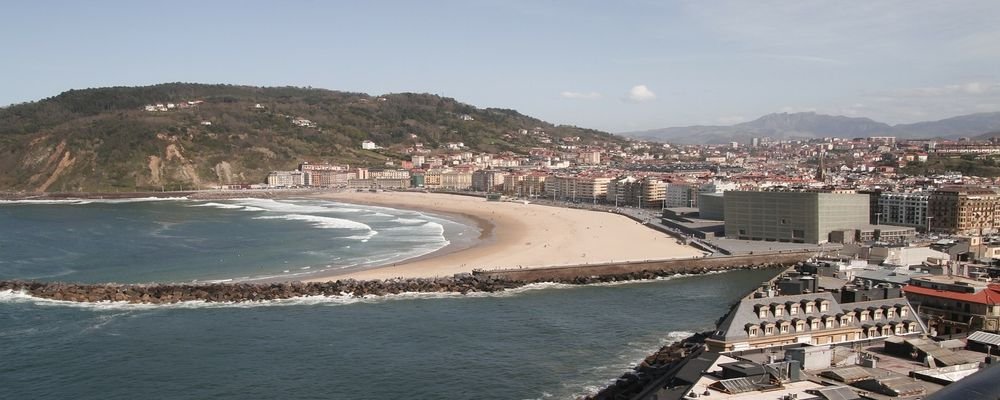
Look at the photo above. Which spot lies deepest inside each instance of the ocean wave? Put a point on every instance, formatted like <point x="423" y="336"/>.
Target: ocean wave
<point x="76" y="202"/>
<point x="220" y="205"/>
<point x="9" y="296"/>
<point x="292" y="207"/>
<point x="321" y="222"/>
<point x="409" y="221"/>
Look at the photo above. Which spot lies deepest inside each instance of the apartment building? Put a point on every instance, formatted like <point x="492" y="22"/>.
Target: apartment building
<point x="904" y="209"/>
<point x="488" y="180"/>
<point x="964" y="210"/>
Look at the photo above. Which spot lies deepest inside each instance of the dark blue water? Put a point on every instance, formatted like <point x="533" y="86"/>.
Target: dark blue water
<point x="182" y="241"/>
<point x="544" y="341"/>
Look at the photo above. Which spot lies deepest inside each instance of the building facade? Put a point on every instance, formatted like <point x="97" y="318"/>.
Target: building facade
<point x="964" y="211"/>
<point x="488" y="180"/>
<point x="286" y="178"/>
<point x="797" y="217"/>
<point x="524" y="185"/>
<point x="904" y="209"/>
<point x="953" y="305"/>
<point x="682" y="195"/>
<point x="577" y="188"/>
<point x="647" y="192"/>
<point x="814" y="319"/>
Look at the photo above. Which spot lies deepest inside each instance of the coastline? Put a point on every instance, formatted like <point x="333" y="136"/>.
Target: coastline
<point x="514" y="235"/>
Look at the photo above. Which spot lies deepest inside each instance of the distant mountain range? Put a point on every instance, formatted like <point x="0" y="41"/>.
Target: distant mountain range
<point x="807" y="125"/>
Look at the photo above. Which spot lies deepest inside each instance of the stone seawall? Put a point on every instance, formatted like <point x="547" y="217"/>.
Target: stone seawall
<point x="658" y="268"/>
<point x="492" y="281"/>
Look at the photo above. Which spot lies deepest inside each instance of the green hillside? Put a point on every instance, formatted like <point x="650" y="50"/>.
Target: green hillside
<point x="104" y="140"/>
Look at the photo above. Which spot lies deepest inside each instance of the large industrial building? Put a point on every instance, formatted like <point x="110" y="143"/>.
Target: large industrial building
<point x="797" y="217"/>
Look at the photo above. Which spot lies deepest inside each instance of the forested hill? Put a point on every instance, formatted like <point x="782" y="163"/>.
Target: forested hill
<point x="105" y="140"/>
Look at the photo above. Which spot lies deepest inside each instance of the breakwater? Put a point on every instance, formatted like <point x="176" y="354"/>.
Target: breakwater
<point x="251" y="292"/>
<point x="633" y="269"/>
<point x="654" y="370"/>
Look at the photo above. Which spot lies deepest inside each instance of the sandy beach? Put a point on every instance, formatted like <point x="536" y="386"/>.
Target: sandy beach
<point x="519" y="235"/>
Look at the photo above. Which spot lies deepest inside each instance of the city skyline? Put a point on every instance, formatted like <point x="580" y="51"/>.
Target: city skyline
<point x="634" y="66"/>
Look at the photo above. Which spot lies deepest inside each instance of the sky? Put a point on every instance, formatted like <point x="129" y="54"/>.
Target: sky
<point x="610" y="65"/>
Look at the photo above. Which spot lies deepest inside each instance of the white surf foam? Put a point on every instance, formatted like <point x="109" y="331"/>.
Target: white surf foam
<point x="409" y="221"/>
<point x="9" y="296"/>
<point x="292" y="207"/>
<point x="220" y="205"/>
<point x="320" y="221"/>
<point x="91" y="201"/>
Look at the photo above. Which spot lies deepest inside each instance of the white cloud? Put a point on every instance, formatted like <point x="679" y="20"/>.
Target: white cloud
<point x="640" y="94"/>
<point x="731" y="119"/>
<point x="966" y="89"/>
<point x="792" y="110"/>
<point x="580" y="95"/>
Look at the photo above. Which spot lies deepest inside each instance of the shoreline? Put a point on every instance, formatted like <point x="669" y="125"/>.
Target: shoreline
<point x="514" y="235"/>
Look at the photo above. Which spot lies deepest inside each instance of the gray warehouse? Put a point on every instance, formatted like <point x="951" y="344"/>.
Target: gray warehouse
<point x="798" y="217"/>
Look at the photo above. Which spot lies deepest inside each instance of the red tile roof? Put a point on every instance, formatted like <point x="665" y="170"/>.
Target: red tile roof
<point x="990" y="295"/>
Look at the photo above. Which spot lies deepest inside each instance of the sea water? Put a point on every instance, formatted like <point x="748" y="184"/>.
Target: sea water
<point x="541" y="341"/>
<point x="178" y="240"/>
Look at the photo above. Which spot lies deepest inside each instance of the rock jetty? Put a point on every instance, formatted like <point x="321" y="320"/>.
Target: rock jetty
<point x="253" y="292"/>
<point x="654" y="368"/>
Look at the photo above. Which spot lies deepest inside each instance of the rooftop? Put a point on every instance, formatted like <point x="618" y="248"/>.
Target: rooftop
<point x="988" y="296"/>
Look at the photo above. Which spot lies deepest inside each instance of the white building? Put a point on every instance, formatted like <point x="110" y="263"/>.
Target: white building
<point x="369" y="145"/>
<point x="286" y="178"/>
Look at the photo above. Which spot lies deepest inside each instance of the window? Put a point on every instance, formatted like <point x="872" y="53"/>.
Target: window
<point x="743" y="231"/>
<point x="814" y="325"/>
<point x="769" y="330"/>
<point x="798" y="233"/>
<point x="902" y="311"/>
<point x="753" y="332"/>
<point x="823" y="306"/>
<point x="889" y="313"/>
<point x="793" y="310"/>
<point x="784" y="328"/>
<point x="777" y="311"/>
<point x="863" y="316"/>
